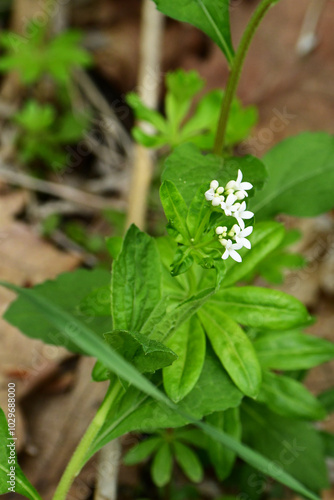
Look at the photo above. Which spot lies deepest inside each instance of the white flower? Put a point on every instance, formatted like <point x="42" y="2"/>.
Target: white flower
<point x="241" y="235"/>
<point x="217" y="200"/>
<point x="241" y="187"/>
<point x="230" y="250"/>
<point x="228" y="205"/>
<point x="214" y="194"/>
<point x="209" y="194"/>
<point x="241" y="213"/>
<point x="221" y="231"/>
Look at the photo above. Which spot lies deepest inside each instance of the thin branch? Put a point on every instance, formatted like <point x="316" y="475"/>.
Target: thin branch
<point x="98" y="100"/>
<point x="308" y="39"/>
<point x="59" y="190"/>
<point x="109" y="456"/>
<point x="148" y="84"/>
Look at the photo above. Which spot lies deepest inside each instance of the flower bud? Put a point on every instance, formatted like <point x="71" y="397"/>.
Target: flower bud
<point x="214" y="185"/>
<point x="221" y="229"/>
<point x="216" y="201"/>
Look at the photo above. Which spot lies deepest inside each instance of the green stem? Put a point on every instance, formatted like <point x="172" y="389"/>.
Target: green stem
<point x="75" y="465"/>
<point x="235" y="73"/>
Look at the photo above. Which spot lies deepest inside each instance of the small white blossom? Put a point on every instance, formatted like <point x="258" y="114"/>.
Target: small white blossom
<point x="240" y="195"/>
<point x="214" y="194"/>
<point x="221" y="231"/>
<point x="230" y="250"/>
<point x="209" y="194"/>
<point x="241" y="213"/>
<point x="242" y="234"/>
<point x="241" y="187"/>
<point x="228" y="205"/>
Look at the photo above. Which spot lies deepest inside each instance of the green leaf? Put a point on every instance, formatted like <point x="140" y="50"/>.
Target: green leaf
<point x="326" y="398"/>
<point x="210" y="16"/>
<point x="136" y="281"/>
<point x="68" y="291"/>
<point x="146" y="114"/>
<point x="221" y="457"/>
<point x="233" y="348"/>
<point x="175" y="288"/>
<point x="214" y="391"/>
<point x="142" y="451"/>
<point x="35" y="117"/>
<point x="32" y="57"/>
<point x="114" y="246"/>
<point x="162" y="464"/>
<point x="98" y="302"/>
<point x="301" y="176"/>
<point x="177" y="315"/>
<point x="100" y="373"/>
<point x="188" y="461"/>
<point x="192" y="436"/>
<point x="175" y="208"/>
<point x="183" y="260"/>
<point x="189" y="169"/>
<point x="86" y="341"/>
<point x="10" y="468"/>
<point x="328" y="441"/>
<point x="294" y="446"/>
<point x="200" y="129"/>
<point x="199" y="210"/>
<point x="289" y="398"/>
<point x="265" y="238"/>
<point x="261" y="307"/>
<point x="188" y="342"/>
<point x="273" y="267"/>
<point x="182" y="86"/>
<point x="145" y="354"/>
<point x="292" y="350"/>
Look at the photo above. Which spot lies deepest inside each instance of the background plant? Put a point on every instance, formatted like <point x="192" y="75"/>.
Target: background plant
<point x="46" y="127"/>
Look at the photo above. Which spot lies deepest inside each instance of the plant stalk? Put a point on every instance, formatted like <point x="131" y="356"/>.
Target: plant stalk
<point x="75" y="465"/>
<point x="234" y="77"/>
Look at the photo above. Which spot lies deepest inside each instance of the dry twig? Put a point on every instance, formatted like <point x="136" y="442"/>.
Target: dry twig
<point x="148" y="83"/>
<point x="59" y="190"/>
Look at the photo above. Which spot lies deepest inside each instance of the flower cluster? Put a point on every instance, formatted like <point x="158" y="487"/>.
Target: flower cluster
<point x="231" y="200"/>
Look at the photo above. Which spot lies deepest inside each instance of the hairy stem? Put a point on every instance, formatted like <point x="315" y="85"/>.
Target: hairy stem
<point x="78" y="458"/>
<point x="235" y="73"/>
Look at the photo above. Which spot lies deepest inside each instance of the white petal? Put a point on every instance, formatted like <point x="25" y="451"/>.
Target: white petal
<point x="214" y="185"/>
<point x="247" y="214"/>
<point x="238" y="245"/>
<point x="235" y="256"/>
<point x="246" y="185"/>
<point x="231" y="199"/>
<point x="242" y="207"/>
<point x="247" y="244"/>
<point x="209" y="194"/>
<point x="247" y="231"/>
<point x="240" y="221"/>
<point x="220" y="230"/>
<point x="239" y="178"/>
<point x="225" y="254"/>
<point x="230" y="185"/>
